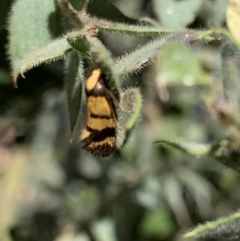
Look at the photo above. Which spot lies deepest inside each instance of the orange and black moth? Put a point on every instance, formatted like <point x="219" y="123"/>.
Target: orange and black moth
<point x="99" y="136"/>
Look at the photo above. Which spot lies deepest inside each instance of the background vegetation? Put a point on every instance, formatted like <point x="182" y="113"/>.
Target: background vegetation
<point x="161" y="184"/>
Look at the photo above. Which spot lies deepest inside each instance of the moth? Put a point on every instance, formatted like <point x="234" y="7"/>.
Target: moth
<point x="99" y="136"/>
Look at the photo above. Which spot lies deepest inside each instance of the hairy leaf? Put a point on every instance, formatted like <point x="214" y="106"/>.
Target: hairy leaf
<point x="51" y="52"/>
<point x="223" y="228"/>
<point x="32" y="25"/>
<point x="120" y="28"/>
<point x="73" y="85"/>
<point x="230" y="55"/>
<point x="135" y="61"/>
<point x="79" y="42"/>
<point x="129" y="113"/>
<point x="227" y="152"/>
<point x="194" y="149"/>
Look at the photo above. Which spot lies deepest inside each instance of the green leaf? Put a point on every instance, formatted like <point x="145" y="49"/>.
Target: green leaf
<point x="51" y="52"/>
<point x="157" y="223"/>
<point x="199" y="187"/>
<point x="230" y="55"/>
<point x="223" y="228"/>
<point x="135" y="61"/>
<point x="32" y="25"/>
<point x="190" y="148"/>
<point x="129" y="112"/>
<point x="103" y="9"/>
<point x="227" y="152"/>
<point x="79" y="42"/>
<point x="173" y="189"/>
<point x="177" y="64"/>
<point x="147" y="195"/>
<point x="73" y="85"/>
<point x="120" y="28"/>
<point x="213" y="13"/>
<point x="176" y="14"/>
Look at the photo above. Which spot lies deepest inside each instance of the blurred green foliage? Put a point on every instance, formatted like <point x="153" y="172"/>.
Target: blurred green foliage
<point x="51" y="189"/>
